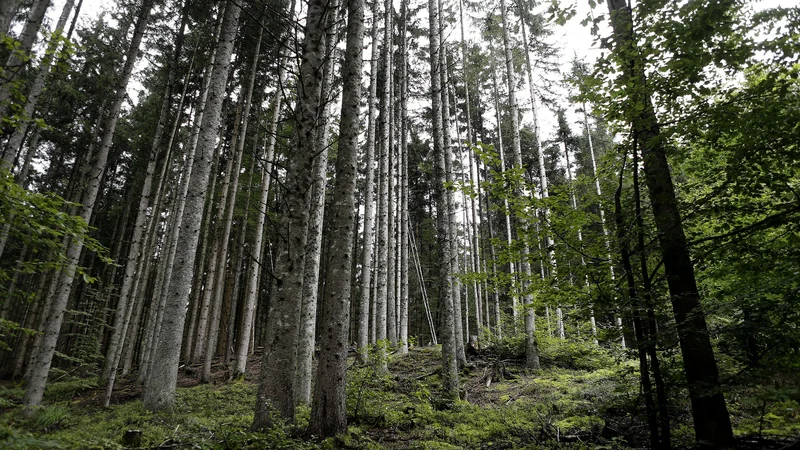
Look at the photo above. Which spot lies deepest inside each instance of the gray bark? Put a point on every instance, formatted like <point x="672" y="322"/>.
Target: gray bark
<point x="230" y="204"/>
<point x="404" y="227"/>
<point x="452" y="249"/>
<point x="15" y="64"/>
<point x="55" y="314"/>
<point x="276" y="396"/>
<point x="14" y="145"/>
<point x="159" y="391"/>
<point x="8" y="9"/>
<point x="506" y="211"/>
<point x="449" y="362"/>
<point x="382" y="280"/>
<point x="369" y="202"/>
<point x="258" y="241"/>
<point x="329" y="411"/>
<point x="308" y="313"/>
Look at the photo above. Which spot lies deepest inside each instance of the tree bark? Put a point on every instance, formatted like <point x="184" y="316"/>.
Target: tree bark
<point x="449" y="362"/>
<point x="14" y="63"/>
<point x="159" y="391"/>
<point x="55" y="314"/>
<point x="711" y="421"/>
<point x="328" y="410"/>
<point x="257" y="260"/>
<point x="276" y="396"/>
<point x="311" y="275"/>
<point x="14" y="145"/>
<point x="230" y="205"/>
<point x="369" y="201"/>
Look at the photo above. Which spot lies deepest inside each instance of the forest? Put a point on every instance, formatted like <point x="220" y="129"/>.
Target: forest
<point x="402" y="224"/>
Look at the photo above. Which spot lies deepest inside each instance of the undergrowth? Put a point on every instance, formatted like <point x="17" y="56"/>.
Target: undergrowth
<point x="584" y="397"/>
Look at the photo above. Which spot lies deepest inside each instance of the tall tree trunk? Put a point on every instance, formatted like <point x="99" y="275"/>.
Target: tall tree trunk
<point x="531" y="348"/>
<point x="449" y="361"/>
<point x="276" y="397"/>
<point x="404" y="221"/>
<point x="257" y="261"/>
<point x="711" y="421"/>
<point x="369" y="201"/>
<point x="645" y="306"/>
<point x="15" y="63"/>
<point x="159" y="392"/>
<point x="55" y="314"/>
<point x="328" y="410"/>
<point x="452" y="217"/>
<point x="14" y="145"/>
<point x="382" y="261"/>
<point x="633" y="297"/>
<point x="124" y="305"/>
<point x="230" y="205"/>
<point x="311" y="276"/>
<point x="506" y="210"/>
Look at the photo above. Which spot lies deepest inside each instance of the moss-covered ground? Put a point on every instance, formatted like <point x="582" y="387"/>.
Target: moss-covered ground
<point x="583" y="397"/>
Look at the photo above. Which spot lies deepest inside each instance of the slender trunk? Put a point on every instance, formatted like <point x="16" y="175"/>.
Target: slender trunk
<point x="256" y="260"/>
<point x="452" y="250"/>
<point x="507" y="212"/>
<point x="382" y="279"/>
<point x="8" y="9"/>
<point x="711" y="421"/>
<point x="531" y="348"/>
<point x="449" y="346"/>
<point x="159" y="391"/>
<point x="404" y="220"/>
<point x="308" y="314"/>
<point x="124" y="305"/>
<point x="625" y="259"/>
<point x="648" y="337"/>
<point x="369" y="201"/>
<point x="16" y="60"/>
<point x="14" y="145"/>
<point x="230" y="204"/>
<point x="55" y="314"/>
<point x="276" y="397"/>
<point x="329" y="411"/>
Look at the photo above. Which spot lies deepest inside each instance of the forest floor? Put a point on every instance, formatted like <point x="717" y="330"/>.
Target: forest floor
<point x="570" y="403"/>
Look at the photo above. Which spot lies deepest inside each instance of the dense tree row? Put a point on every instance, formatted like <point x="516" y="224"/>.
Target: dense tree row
<point x="296" y="179"/>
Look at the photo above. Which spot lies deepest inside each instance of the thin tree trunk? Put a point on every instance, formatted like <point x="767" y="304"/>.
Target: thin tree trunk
<point x="55" y="315"/>
<point x="311" y="275"/>
<point x="369" y="201"/>
<point x="15" y="62"/>
<point x="329" y="411"/>
<point x="159" y="392"/>
<point x="711" y="421"/>
<point x="8" y="9"/>
<point x="531" y="348"/>
<point x="257" y="260"/>
<point x="633" y="296"/>
<point x="404" y="221"/>
<point x="230" y="204"/>
<point x="452" y="250"/>
<point x="449" y="346"/>
<point x="649" y="334"/>
<point x="276" y="396"/>
<point x="14" y="145"/>
<point x="124" y="305"/>
<point x="506" y="210"/>
<point x="382" y="262"/>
